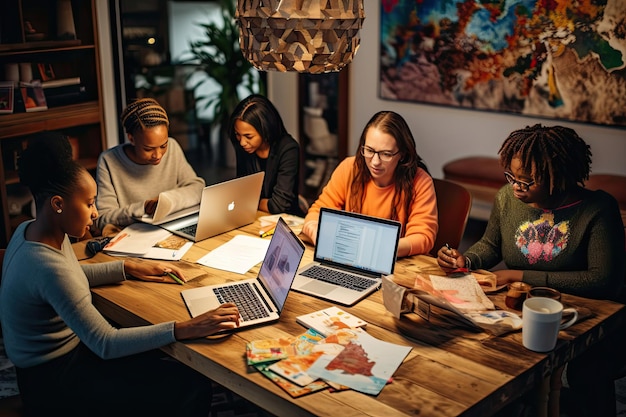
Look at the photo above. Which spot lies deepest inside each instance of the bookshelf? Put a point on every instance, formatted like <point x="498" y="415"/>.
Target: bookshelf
<point x="56" y="40"/>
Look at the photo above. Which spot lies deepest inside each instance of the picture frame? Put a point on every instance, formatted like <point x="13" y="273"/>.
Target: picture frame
<point x="33" y="96"/>
<point x="531" y="58"/>
<point x="7" y="102"/>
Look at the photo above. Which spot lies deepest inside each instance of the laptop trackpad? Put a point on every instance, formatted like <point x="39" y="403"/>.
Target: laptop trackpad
<point x="318" y="287"/>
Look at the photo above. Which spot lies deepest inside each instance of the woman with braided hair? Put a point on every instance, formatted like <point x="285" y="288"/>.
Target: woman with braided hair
<point x="131" y="176"/>
<point x="551" y="231"/>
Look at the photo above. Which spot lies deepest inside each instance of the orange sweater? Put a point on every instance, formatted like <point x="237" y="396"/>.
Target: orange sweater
<point x="419" y="228"/>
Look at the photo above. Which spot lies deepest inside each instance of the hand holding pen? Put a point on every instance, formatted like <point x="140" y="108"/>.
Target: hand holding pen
<point x="450" y="260"/>
<point x="146" y="270"/>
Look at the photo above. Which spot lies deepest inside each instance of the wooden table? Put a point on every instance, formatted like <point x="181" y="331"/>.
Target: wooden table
<point x="451" y="370"/>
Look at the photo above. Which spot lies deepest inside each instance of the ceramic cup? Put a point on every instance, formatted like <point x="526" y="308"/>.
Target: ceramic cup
<point x="544" y="292"/>
<point x="541" y="322"/>
<point x="516" y="294"/>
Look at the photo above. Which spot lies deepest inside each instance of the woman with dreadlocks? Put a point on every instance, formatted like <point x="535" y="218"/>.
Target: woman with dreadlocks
<point x="551" y="231"/>
<point x="546" y="227"/>
<point x="131" y="176"/>
<point x="386" y="178"/>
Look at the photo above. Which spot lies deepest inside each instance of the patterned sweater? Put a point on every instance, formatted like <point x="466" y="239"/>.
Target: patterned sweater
<point x="577" y="249"/>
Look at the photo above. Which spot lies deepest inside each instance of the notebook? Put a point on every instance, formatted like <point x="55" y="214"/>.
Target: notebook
<point x="223" y="207"/>
<point x="268" y="291"/>
<point x="352" y="253"/>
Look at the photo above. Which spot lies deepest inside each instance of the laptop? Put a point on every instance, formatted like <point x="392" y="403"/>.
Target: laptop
<point x="266" y="294"/>
<point x="352" y="253"/>
<point x="223" y="207"/>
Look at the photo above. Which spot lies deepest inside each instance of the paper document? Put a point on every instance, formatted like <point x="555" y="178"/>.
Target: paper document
<point x="147" y="241"/>
<point x="237" y="255"/>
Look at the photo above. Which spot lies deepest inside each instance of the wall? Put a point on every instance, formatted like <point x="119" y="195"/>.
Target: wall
<point x="444" y="133"/>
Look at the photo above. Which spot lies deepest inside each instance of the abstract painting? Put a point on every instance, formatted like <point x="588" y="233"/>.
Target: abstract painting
<point x="558" y="59"/>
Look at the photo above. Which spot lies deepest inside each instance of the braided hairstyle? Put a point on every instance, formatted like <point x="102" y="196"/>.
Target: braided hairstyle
<point x="259" y="112"/>
<point x="143" y="113"/>
<point x="392" y="124"/>
<point x="50" y="154"/>
<point x="556" y="155"/>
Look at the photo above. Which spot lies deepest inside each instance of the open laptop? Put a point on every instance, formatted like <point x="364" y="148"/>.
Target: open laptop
<point x="223" y="207"/>
<point x="268" y="291"/>
<point x="352" y="253"/>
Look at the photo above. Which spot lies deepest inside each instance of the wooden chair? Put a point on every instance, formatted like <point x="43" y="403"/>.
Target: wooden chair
<point x="9" y="406"/>
<point x="453" y="204"/>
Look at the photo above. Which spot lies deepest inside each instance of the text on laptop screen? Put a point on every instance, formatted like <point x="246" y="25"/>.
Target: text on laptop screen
<point x="357" y="242"/>
<point x="281" y="263"/>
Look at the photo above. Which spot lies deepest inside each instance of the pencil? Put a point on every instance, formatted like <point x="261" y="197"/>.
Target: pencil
<point x="175" y="278"/>
<point x="269" y="232"/>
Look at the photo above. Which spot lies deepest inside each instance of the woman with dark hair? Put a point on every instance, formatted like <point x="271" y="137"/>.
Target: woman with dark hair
<point x="70" y="360"/>
<point x="547" y="228"/>
<point x="551" y="231"/>
<point x="386" y="178"/>
<point x="131" y="176"/>
<point x="262" y="143"/>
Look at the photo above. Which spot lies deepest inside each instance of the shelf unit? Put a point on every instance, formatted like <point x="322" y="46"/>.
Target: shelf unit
<point x="82" y="119"/>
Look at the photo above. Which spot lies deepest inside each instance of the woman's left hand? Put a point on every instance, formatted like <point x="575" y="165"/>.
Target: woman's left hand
<point x="153" y="271"/>
<point x="505" y="276"/>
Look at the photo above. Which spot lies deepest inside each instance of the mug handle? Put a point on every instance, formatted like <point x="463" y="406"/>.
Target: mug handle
<point x="570" y="321"/>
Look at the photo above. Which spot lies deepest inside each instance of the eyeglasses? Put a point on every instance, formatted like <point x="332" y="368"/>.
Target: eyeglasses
<point x="523" y="186"/>
<point x="384" y="156"/>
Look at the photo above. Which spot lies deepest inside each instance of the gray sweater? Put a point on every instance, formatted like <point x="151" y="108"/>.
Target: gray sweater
<point x="124" y="186"/>
<point x="46" y="308"/>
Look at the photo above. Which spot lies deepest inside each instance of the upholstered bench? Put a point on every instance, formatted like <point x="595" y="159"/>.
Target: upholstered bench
<point x="482" y="176"/>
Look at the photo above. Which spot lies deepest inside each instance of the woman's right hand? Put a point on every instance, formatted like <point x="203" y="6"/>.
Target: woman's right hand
<point x="224" y="317"/>
<point x="450" y="259"/>
<point x="149" y="207"/>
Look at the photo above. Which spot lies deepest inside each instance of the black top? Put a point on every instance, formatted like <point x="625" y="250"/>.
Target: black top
<point x="282" y="174"/>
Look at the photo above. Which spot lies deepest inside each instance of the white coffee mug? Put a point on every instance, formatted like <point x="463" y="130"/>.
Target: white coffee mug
<point x="541" y="322"/>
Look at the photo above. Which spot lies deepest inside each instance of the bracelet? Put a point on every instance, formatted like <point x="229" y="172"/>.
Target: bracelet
<point x="468" y="263"/>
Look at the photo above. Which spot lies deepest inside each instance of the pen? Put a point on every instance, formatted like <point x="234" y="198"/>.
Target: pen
<point x="175" y="278"/>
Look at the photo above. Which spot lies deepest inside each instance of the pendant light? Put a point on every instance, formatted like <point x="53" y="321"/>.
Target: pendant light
<point x="309" y="36"/>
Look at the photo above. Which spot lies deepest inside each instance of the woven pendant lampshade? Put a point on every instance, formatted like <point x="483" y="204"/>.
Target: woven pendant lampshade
<point x="311" y="36"/>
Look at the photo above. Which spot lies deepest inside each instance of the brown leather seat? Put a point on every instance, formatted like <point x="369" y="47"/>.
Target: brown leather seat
<point x="453" y="204"/>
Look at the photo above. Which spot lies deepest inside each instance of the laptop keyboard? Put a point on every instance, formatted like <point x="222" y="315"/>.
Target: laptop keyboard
<point x="343" y="279"/>
<point x="244" y="296"/>
<point x="190" y="230"/>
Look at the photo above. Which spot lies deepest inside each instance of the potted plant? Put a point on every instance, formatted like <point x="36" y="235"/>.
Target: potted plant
<point x="219" y="56"/>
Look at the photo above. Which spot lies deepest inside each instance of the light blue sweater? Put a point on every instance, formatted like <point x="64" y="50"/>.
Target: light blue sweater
<point x="46" y="307"/>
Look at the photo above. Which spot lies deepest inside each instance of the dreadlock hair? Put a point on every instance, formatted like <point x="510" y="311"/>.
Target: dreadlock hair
<point x="259" y="112"/>
<point x="556" y="155"/>
<point x="49" y="153"/>
<point x="143" y="113"/>
<point x="392" y="124"/>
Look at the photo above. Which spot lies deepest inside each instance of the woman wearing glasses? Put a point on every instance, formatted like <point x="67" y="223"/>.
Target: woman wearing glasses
<point x="386" y="178"/>
<point x="545" y="226"/>
<point x="550" y="231"/>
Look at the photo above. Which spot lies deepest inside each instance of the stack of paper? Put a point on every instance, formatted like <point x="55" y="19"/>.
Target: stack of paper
<point x="147" y="241"/>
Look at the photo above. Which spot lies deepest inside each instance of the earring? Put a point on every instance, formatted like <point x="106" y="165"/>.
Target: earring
<point x="59" y="211"/>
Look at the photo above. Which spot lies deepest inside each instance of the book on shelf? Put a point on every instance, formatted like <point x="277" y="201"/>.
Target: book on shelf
<point x="66" y="95"/>
<point x="33" y="96"/>
<point x="7" y="90"/>
<point x="60" y="82"/>
<point x="330" y="319"/>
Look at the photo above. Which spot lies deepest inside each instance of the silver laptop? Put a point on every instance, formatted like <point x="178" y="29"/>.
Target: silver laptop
<point x="266" y="294"/>
<point x="223" y="207"/>
<point x="352" y="253"/>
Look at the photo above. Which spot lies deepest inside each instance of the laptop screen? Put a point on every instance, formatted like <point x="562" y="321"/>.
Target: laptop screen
<point x="281" y="263"/>
<point x="357" y="241"/>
